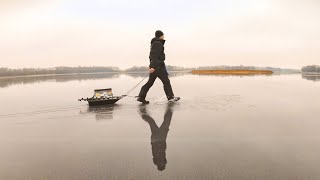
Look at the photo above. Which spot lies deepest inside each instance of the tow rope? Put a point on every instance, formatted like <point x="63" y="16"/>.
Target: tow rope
<point x="134" y="87"/>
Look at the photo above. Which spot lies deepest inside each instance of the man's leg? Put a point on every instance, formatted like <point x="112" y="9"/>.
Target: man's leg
<point x="163" y="76"/>
<point x="145" y="88"/>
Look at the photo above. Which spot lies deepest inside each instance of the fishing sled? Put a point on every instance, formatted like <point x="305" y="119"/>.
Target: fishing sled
<point x="102" y="97"/>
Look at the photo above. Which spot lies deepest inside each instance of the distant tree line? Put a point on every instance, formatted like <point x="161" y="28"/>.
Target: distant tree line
<point x="169" y="68"/>
<point x="56" y="70"/>
<point x="24" y="71"/>
<point x="80" y="69"/>
<point x="241" y="67"/>
<point x="76" y="70"/>
<point x="311" y="69"/>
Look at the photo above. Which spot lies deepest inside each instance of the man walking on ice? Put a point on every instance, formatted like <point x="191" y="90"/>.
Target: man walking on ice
<point x="157" y="69"/>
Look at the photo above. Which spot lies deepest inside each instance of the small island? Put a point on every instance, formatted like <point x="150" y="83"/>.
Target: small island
<point x="232" y="72"/>
<point x="311" y="70"/>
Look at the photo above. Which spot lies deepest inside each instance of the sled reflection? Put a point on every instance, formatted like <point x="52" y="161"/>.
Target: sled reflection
<point x="104" y="112"/>
<point x="158" y="135"/>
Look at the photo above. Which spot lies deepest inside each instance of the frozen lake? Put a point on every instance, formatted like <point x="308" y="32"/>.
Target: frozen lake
<point x="224" y="127"/>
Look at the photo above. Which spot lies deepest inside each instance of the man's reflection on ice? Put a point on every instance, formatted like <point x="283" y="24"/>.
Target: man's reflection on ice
<point x="158" y="135"/>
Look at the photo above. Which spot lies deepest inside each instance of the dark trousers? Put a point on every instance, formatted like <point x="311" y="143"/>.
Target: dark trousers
<point x="162" y="74"/>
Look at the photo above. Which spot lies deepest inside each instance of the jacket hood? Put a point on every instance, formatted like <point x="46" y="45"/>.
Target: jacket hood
<point x="157" y="39"/>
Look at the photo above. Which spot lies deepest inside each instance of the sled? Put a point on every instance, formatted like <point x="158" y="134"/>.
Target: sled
<point x="102" y="97"/>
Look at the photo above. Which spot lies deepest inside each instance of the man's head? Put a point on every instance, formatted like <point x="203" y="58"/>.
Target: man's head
<point x="159" y="34"/>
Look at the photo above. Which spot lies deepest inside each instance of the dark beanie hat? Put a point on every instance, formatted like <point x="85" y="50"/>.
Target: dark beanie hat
<point x="159" y="33"/>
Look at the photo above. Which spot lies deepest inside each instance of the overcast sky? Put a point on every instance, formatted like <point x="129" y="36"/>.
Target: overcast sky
<point x="49" y="33"/>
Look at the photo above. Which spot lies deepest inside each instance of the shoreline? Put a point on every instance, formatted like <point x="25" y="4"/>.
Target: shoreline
<point x="194" y="72"/>
<point x="73" y="74"/>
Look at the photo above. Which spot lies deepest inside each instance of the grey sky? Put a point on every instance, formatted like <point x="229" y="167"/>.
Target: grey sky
<point x="49" y="33"/>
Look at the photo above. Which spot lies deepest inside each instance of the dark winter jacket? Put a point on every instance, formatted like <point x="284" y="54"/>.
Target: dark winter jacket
<point x="157" y="55"/>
